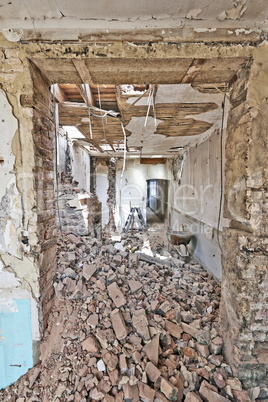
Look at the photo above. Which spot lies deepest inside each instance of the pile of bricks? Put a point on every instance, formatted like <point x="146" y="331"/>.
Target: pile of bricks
<point x="123" y="329"/>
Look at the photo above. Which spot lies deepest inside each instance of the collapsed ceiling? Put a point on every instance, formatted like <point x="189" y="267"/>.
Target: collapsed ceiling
<point x="175" y="105"/>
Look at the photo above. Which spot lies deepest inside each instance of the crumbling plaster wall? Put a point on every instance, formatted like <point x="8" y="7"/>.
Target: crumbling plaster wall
<point x="102" y="188"/>
<point x="195" y="200"/>
<point x="80" y="162"/>
<point x="244" y="307"/>
<point x="73" y="159"/>
<point x="19" y="272"/>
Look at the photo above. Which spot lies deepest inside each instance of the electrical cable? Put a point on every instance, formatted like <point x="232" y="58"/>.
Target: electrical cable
<point x="125" y="148"/>
<point x="221" y="167"/>
<point x="101" y="113"/>
<point x="153" y="103"/>
<point x="56" y="163"/>
<point x="149" y="105"/>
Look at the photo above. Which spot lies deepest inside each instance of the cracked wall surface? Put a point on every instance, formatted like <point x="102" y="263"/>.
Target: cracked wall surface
<point x="19" y="273"/>
<point x="245" y="282"/>
<point x="240" y="20"/>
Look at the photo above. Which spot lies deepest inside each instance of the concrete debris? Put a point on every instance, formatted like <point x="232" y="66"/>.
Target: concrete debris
<point x="123" y="329"/>
<point x="116" y="295"/>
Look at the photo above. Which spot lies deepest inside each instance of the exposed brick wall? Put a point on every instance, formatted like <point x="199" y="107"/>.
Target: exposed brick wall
<point x="244" y="307"/>
<point x="43" y="137"/>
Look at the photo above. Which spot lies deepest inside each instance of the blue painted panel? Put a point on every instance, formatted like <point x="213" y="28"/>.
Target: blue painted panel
<point x="16" y="355"/>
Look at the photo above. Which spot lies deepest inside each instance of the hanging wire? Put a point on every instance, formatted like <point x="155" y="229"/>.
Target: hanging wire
<point x="125" y="148"/>
<point x="101" y="113"/>
<point x="90" y="128"/>
<point x="153" y="103"/>
<point x="56" y="162"/>
<point x="149" y="105"/>
<point x="221" y="167"/>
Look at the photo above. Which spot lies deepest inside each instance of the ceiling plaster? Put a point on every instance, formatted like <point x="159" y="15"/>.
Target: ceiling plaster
<point x="140" y="20"/>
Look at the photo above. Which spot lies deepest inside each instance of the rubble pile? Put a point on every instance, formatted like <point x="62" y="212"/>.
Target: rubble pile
<point x="124" y="328"/>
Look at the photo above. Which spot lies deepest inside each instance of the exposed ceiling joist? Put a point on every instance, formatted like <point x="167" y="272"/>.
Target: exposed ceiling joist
<point x="86" y="78"/>
<point x="88" y="96"/>
<point x="136" y="100"/>
<point x="59" y="94"/>
<point x="90" y="141"/>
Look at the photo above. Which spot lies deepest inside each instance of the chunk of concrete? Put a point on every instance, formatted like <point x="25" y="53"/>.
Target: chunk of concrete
<point x="116" y="295"/>
<point x="118" y="324"/>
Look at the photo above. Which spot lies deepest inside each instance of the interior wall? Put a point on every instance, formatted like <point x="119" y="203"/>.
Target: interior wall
<point x="132" y="188"/>
<point x="102" y="188"/>
<point x="43" y="137"/>
<point x="20" y="317"/>
<point x="157" y="197"/>
<point x="73" y="159"/>
<point x="80" y="162"/>
<point x="244" y="308"/>
<point x="195" y="202"/>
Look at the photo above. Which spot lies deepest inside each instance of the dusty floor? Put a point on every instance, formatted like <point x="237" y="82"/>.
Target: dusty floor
<point x="130" y="323"/>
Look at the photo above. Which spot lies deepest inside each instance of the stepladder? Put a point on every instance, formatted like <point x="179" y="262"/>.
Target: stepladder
<point x="131" y="217"/>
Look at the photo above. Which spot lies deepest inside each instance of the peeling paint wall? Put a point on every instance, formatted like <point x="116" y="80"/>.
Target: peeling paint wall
<point x="19" y="272"/>
<point x="10" y="204"/>
<point x="151" y="21"/>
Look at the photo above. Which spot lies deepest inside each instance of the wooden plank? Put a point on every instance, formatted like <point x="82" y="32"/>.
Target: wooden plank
<point x="153" y="161"/>
<point x="59" y="93"/>
<point x="82" y="70"/>
<point x="132" y="104"/>
<point x="86" y="78"/>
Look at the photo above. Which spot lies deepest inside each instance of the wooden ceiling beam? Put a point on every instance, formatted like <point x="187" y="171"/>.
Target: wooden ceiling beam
<point x="90" y="97"/>
<point x="59" y="93"/>
<point x="90" y="141"/>
<point x="86" y="78"/>
<point x="152" y="161"/>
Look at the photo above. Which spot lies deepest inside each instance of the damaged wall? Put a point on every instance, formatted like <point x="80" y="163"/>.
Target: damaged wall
<point x="10" y="211"/>
<point x="80" y="161"/>
<point x="43" y="136"/>
<point x="102" y="188"/>
<point x="19" y="284"/>
<point x="195" y="201"/>
<point x="74" y="160"/>
<point x="244" y="309"/>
